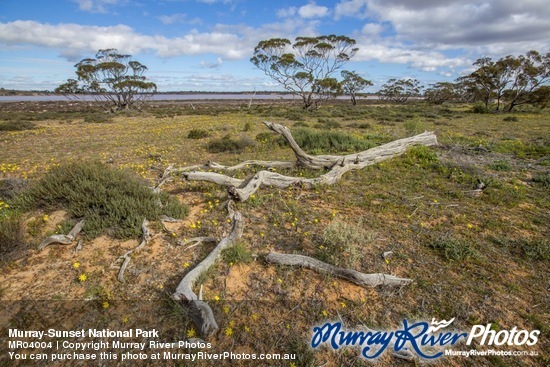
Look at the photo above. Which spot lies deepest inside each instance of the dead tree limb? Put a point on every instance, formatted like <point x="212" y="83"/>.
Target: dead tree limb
<point x="210" y="165"/>
<point x="61" y="238"/>
<point x="336" y="165"/>
<point x="242" y="189"/>
<point x="364" y="280"/>
<point x="199" y="311"/>
<point x="370" y="156"/>
<point x="127" y="256"/>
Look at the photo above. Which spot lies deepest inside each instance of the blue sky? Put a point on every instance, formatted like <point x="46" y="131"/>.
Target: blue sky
<point x="205" y="45"/>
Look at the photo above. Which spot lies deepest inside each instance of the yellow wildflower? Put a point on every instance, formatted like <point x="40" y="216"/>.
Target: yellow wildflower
<point x="82" y="277"/>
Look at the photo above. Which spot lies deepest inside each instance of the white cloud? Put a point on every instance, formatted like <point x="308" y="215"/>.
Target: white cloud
<point x="498" y="25"/>
<point x="178" y="18"/>
<point x="313" y="10"/>
<point x="372" y="29"/>
<point x="393" y="52"/>
<point x="95" y="6"/>
<point x="211" y="65"/>
<point x="287" y="12"/>
<point x="71" y="40"/>
<point x="350" y="8"/>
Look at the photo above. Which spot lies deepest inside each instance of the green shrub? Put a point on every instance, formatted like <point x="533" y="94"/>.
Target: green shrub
<point x="227" y="144"/>
<point x="453" y="249"/>
<point x="237" y="253"/>
<point x="98" y="118"/>
<point x="198" y="134"/>
<point x="326" y="123"/>
<point x="480" y="108"/>
<point x="316" y="142"/>
<point x="360" y="125"/>
<point x="16" y="125"/>
<point x="109" y="200"/>
<point x="500" y="165"/>
<point x="343" y="244"/>
<point x="414" y="126"/>
<point x="537" y="249"/>
<point x="421" y="155"/>
<point x="542" y="179"/>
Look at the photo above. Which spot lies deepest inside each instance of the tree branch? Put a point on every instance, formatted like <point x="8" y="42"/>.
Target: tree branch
<point x="364" y="280"/>
<point x="199" y="311"/>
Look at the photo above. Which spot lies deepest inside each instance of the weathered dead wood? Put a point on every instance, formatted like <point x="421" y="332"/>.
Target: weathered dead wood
<point x="196" y="241"/>
<point x="371" y="156"/>
<point x="337" y="165"/>
<point x="364" y="280"/>
<point x="62" y="238"/>
<point x="164" y="178"/>
<point x="199" y="311"/>
<point x="127" y="256"/>
<point x="210" y="165"/>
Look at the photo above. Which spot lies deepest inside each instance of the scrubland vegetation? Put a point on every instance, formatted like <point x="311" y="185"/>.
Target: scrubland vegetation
<point x="467" y="220"/>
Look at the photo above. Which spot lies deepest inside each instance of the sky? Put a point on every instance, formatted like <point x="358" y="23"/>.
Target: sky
<point x="206" y="45"/>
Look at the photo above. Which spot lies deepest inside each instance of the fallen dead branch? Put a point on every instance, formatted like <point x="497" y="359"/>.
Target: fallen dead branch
<point x="127" y="256"/>
<point x="362" y="279"/>
<point x="62" y="238"/>
<point x="337" y="165"/>
<point x="199" y="311"/>
<point x="240" y="190"/>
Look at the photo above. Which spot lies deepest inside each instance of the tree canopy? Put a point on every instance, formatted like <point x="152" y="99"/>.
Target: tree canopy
<point x="400" y="90"/>
<point x="510" y="81"/>
<point x="306" y="67"/>
<point x="113" y="79"/>
<point x="352" y="83"/>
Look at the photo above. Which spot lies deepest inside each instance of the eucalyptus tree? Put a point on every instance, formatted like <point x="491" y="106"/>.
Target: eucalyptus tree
<point x="111" y="78"/>
<point x="305" y="67"/>
<point x="400" y="90"/>
<point x="352" y="83"/>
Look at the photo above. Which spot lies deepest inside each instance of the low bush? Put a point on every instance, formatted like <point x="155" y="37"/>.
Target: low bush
<point x="109" y="200"/>
<point x="343" y="244"/>
<point x="453" y="249"/>
<point x="198" y="134"/>
<point x="480" y="108"/>
<point x="98" y="118"/>
<point x="227" y="144"/>
<point x="317" y="142"/>
<point x="542" y="179"/>
<point x="326" y="123"/>
<point x="237" y="254"/>
<point x="16" y="125"/>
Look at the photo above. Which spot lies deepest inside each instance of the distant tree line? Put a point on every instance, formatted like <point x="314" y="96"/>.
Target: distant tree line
<point x="508" y="82"/>
<point x="308" y="68"/>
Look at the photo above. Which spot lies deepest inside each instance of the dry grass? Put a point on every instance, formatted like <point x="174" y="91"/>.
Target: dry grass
<point x="482" y="258"/>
